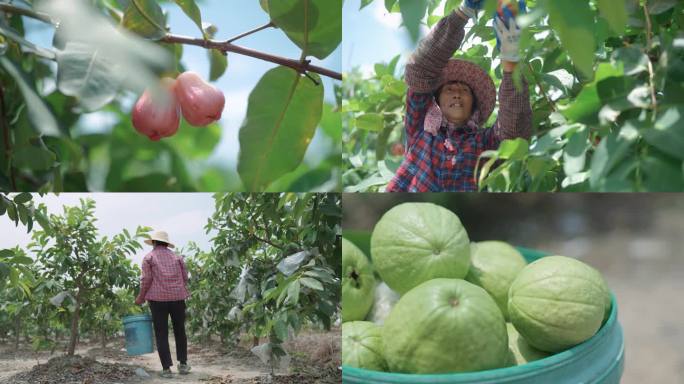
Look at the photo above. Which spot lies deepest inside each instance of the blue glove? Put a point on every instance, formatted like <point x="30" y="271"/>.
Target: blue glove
<point x="474" y="4"/>
<point x="471" y="7"/>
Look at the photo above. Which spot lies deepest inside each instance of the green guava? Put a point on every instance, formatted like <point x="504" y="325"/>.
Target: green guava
<point x="519" y="351"/>
<point x="445" y="325"/>
<point x="416" y="242"/>
<point x="358" y="283"/>
<point x="557" y="302"/>
<point x="362" y="345"/>
<point x="493" y="266"/>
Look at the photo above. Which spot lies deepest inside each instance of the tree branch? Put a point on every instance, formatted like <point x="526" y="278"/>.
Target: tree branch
<point x="546" y="96"/>
<point x="651" y="82"/>
<point x="6" y="139"/>
<point x="226" y="46"/>
<point x="269" y="25"/>
<point x="267" y="241"/>
<point x="8" y="8"/>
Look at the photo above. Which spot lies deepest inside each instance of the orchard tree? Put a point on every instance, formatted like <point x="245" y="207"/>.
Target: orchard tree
<point x="104" y="51"/>
<point x="88" y="267"/>
<point x="15" y="297"/>
<point x="606" y="79"/>
<point x="280" y="255"/>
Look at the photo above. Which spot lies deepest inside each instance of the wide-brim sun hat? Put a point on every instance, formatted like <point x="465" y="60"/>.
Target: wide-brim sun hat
<point x="159" y="236"/>
<point x="479" y="82"/>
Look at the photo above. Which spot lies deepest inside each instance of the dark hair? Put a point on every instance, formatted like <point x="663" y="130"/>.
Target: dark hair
<point x="157" y="242"/>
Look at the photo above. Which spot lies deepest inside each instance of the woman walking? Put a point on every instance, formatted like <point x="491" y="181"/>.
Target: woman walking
<point x="164" y="286"/>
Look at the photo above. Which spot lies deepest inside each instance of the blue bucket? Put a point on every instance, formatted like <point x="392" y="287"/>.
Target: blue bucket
<point x="138" y="330"/>
<point x="599" y="360"/>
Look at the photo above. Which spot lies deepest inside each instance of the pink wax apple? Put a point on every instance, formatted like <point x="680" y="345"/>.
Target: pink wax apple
<point x="201" y="102"/>
<point x="156" y="118"/>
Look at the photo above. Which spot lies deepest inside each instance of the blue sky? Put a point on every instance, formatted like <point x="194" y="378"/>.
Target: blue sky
<point x="232" y="17"/>
<point x="182" y="215"/>
<point x="374" y="35"/>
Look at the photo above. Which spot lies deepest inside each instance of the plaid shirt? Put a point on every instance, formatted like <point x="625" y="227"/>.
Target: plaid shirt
<point x="164" y="276"/>
<point x="446" y="161"/>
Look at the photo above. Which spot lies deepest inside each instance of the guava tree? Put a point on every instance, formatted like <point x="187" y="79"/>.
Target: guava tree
<point x="87" y="266"/>
<point x="105" y="52"/>
<point x="16" y="297"/>
<point x="606" y="79"/>
<point x="284" y="250"/>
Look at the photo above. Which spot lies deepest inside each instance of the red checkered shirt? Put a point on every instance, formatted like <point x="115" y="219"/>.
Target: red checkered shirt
<point x="446" y="161"/>
<point x="164" y="276"/>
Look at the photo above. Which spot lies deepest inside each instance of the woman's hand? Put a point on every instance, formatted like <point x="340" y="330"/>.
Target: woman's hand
<point x="507" y="39"/>
<point x="469" y="8"/>
<point x="139" y="300"/>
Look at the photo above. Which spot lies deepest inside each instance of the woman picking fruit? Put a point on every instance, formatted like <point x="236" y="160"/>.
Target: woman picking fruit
<point x="449" y="100"/>
<point x="164" y="286"/>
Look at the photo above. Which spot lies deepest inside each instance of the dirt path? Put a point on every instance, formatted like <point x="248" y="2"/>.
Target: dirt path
<point x="205" y="364"/>
<point x="315" y="358"/>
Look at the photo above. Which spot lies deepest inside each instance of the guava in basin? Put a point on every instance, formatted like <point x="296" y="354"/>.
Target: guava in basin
<point x="557" y="302"/>
<point x="519" y="351"/>
<point x="493" y="266"/>
<point x="362" y="345"/>
<point x="358" y="283"/>
<point x="416" y="242"/>
<point x="445" y="325"/>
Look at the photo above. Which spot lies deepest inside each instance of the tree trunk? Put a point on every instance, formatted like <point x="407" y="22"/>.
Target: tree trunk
<point x="255" y="341"/>
<point x="103" y="333"/>
<point x="74" y="324"/>
<point x="17" y="332"/>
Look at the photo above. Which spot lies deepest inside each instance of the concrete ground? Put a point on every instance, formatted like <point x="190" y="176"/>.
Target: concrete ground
<point x="636" y="241"/>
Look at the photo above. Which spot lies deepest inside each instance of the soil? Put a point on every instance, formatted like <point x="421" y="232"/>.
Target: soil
<point x="315" y="358"/>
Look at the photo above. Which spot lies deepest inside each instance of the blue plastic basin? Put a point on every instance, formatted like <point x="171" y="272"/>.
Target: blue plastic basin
<point x="598" y="360"/>
<point x="138" y="330"/>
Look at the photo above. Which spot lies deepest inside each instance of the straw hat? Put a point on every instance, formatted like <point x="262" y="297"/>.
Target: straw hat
<point x="159" y="236"/>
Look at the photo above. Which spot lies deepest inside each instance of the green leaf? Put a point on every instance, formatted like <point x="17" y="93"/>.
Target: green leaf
<point x="667" y="133"/>
<point x="218" y="62"/>
<point x="293" y="293"/>
<point x="38" y="112"/>
<point x="22" y="198"/>
<point x="145" y="17"/>
<point x="574" y="153"/>
<point x="610" y="152"/>
<point x="370" y="122"/>
<point x="587" y="104"/>
<point x="282" y="114"/>
<point x="315" y="26"/>
<point x="364" y="3"/>
<point x="657" y="7"/>
<point x="515" y="149"/>
<point x="573" y="21"/>
<point x="662" y="175"/>
<point x="311" y="283"/>
<point x="615" y="11"/>
<point x="192" y="11"/>
<point x="87" y="75"/>
<point x="280" y="328"/>
<point x="331" y="122"/>
<point x="635" y="61"/>
<point x="412" y="12"/>
<point x="33" y="157"/>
